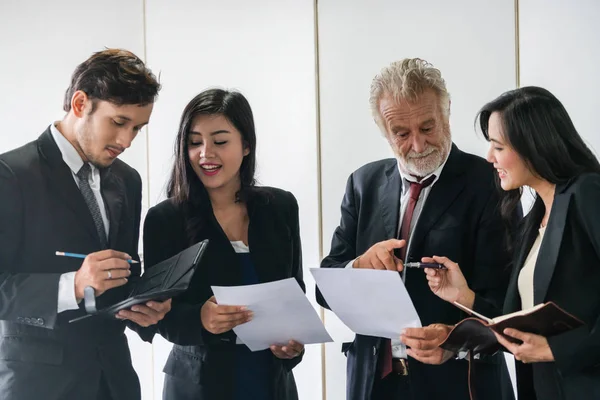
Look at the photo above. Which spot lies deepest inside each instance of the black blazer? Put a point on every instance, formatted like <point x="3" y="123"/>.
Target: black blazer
<point x="460" y="220"/>
<point x="567" y="272"/>
<point x="202" y="365"/>
<point x="42" y="211"/>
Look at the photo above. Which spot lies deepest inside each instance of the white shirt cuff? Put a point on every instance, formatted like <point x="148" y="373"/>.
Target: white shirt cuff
<point x="351" y="264"/>
<point x="66" y="293"/>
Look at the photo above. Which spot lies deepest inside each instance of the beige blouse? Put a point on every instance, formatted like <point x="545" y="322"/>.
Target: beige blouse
<point x="526" y="275"/>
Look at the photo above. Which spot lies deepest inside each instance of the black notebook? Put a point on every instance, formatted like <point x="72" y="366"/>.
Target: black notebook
<point x="163" y="281"/>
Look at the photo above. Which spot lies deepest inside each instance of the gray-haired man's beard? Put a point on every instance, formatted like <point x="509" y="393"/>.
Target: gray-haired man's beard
<point x="426" y="162"/>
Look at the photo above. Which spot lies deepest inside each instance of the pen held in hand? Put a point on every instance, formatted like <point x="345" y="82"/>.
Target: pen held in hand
<point x="76" y="255"/>
<point x="424" y="265"/>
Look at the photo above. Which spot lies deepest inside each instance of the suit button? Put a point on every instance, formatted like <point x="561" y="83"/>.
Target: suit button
<point x="40" y="321"/>
<point x="374" y="350"/>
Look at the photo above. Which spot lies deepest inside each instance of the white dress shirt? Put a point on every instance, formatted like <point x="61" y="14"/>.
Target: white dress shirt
<point x="66" y="284"/>
<point x="398" y="349"/>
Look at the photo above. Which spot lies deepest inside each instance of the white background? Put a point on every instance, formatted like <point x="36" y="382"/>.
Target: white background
<point x="267" y="49"/>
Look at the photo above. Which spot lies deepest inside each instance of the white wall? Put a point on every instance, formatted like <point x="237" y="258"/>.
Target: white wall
<point x="475" y="53"/>
<point x="560" y="51"/>
<point x="266" y="49"/>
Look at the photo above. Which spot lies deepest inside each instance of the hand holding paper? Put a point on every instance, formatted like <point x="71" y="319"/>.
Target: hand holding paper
<point x="281" y="312"/>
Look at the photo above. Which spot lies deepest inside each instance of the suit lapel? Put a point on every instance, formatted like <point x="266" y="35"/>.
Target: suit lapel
<point x="548" y="254"/>
<point x="113" y="193"/>
<point x="61" y="182"/>
<point x="389" y="201"/>
<point x="442" y="195"/>
<point x="512" y="302"/>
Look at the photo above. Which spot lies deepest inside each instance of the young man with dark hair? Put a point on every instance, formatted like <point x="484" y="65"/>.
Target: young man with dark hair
<point x="68" y="191"/>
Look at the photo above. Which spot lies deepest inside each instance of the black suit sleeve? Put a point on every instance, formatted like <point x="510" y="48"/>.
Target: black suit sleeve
<point x="162" y="240"/>
<point x="146" y="334"/>
<point x="297" y="272"/>
<point x="492" y="260"/>
<point x="579" y="348"/>
<point x="343" y="243"/>
<point x="22" y="295"/>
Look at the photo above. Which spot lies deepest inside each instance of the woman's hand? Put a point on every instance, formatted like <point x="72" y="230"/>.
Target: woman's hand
<point x="534" y="348"/>
<point x="449" y="284"/>
<point x="292" y="350"/>
<point x="218" y="318"/>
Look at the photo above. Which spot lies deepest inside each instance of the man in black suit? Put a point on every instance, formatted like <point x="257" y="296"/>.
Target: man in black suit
<point x="67" y="191"/>
<point x="431" y="199"/>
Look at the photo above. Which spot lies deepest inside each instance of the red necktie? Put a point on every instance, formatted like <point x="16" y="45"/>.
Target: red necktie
<point x="415" y="192"/>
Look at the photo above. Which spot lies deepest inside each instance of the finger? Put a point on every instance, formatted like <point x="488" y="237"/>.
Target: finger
<point x="296" y="346"/>
<point x="427" y="260"/>
<point x="392" y="244"/>
<point x="522" y="336"/>
<point x="279" y="353"/>
<point x="107" y="254"/>
<point x="512" y="347"/>
<point x="138" y="318"/>
<point x="143" y="309"/>
<point x="375" y="263"/>
<point x="433" y="358"/>
<point x="431" y="272"/>
<point x="160" y="307"/>
<point x="446" y="262"/>
<point x="112" y="263"/>
<point x="399" y="264"/>
<point x="418" y="343"/>
<point x="114" y="274"/>
<point x="387" y="260"/>
<point x="415" y="333"/>
<point x="110" y="284"/>
<point x="224" y="318"/>
<point x="221" y="309"/>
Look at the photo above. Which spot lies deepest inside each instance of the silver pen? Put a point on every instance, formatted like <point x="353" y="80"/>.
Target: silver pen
<point x="424" y="265"/>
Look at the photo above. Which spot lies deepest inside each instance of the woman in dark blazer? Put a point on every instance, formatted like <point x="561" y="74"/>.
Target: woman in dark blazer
<point x="254" y="237"/>
<point x="557" y="256"/>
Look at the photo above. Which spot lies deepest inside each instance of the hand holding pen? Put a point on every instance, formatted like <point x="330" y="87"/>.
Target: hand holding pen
<point x="448" y="283"/>
<point x="103" y="270"/>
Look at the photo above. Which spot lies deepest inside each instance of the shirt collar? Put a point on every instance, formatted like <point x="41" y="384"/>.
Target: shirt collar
<point x="407" y="178"/>
<point x="69" y="153"/>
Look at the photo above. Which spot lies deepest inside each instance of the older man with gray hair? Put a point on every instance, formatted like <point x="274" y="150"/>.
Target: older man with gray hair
<point x="430" y="199"/>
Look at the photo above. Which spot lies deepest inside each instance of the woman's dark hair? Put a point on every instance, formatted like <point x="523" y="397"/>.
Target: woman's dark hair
<point x="184" y="183"/>
<point x="537" y="126"/>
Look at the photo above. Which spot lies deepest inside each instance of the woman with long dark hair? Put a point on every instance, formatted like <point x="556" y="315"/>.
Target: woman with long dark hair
<point x="254" y="238"/>
<point x="533" y="143"/>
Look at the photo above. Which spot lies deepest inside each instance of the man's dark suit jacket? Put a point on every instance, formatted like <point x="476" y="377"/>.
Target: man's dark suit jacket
<point x="42" y="211"/>
<point x="460" y="220"/>
<point x="567" y="272"/>
<point x="201" y="365"/>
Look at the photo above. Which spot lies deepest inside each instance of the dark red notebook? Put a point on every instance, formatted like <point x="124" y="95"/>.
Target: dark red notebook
<point x="476" y="334"/>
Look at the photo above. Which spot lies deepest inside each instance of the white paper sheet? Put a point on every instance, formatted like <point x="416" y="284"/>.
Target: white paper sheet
<point x="281" y="313"/>
<point x="369" y="302"/>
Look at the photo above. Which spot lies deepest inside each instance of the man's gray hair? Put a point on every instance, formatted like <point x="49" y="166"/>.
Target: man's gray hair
<point x="407" y="79"/>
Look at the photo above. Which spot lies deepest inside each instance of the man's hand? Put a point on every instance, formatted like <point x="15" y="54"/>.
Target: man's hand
<point x="381" y="256"/>
<point x="424" y="343"/>
<point x="146" y="315"/>
<point x="103" y="270"/>
<point x="219" y="318"/>
<point x="292" y="350"/>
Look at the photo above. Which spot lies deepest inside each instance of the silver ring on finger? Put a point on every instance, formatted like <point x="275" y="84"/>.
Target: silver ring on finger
<point x="109" y="274"/>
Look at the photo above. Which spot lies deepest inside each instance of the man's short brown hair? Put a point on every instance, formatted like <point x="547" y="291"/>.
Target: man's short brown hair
<point x="114" y="75"/>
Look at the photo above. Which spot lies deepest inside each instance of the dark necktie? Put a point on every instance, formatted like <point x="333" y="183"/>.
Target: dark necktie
<point x="415" y="192"/>
<point x="83" y="177"/>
